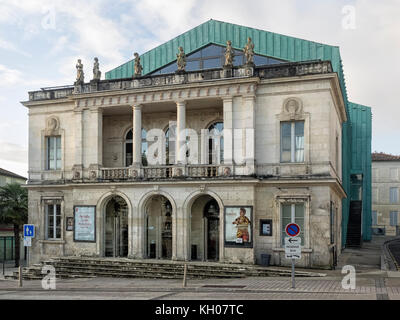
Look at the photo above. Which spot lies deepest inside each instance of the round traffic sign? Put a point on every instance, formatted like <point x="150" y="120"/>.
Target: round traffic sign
<point x="292" y="229"/>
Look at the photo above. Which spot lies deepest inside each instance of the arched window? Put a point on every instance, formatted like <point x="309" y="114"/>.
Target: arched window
<point x="170" y="138"/>
<point x="129" y="148"/>
<point x="170" y="145"/>
<point x="213" y="156"/>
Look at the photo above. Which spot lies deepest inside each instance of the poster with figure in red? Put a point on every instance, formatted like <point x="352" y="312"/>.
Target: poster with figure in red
<point x="238" y="226"/>
<point x="85" y="223"/>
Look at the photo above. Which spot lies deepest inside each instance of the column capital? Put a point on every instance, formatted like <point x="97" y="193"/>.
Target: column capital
<point x="181" y="103"/>
<point x="137" y="107"/>
<point x="227" y="99"/>
<point x="96" y="109"/>
<point x="250" y="97"/>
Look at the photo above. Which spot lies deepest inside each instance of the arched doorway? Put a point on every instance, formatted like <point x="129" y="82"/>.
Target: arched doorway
<point x="205" y="234"/>
<point x="158" y="226"/>
<point x="116" y="228"/>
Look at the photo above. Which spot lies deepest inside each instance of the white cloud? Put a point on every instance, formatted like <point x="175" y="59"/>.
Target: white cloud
<point x="6" y="45"/>
<point x="9" y="76"/>
<point x="13" y="152"/>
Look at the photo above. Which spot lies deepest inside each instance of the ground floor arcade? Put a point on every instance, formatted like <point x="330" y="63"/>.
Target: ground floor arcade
<point x="226" y="221"/>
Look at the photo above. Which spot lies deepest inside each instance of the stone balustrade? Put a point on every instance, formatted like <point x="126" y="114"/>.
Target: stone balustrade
<point x="203" y="171"/>
<point x="263" y="72"/>
<point x="158" y="172"/>
<point x="115" y="173"/>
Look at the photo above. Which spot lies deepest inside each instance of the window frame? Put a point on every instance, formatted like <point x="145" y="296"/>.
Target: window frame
<point x="292" y="141"/>
<point x="395" y="198"/>
<point x="393" y="218"/>
<point x="219" y="158"/>
<point x="54" y="216"/>
<point x="130" y="141"/>
<point x="293" y="220"/>
<point x="56" y="138"/>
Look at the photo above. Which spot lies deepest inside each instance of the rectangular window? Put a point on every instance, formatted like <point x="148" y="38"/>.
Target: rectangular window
<point x="53" y="148"/>
<point x="53" y="221"/>
<point x="374" y="218"/>
<point x="293" y="213"/>
<point x="393" y="197"/>
<point x="393" y="218"/>
<point x="292" y="141"/>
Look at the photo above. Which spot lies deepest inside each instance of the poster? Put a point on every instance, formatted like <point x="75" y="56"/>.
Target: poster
<point x="238" y="226"/>
<point x="85" y="223"/>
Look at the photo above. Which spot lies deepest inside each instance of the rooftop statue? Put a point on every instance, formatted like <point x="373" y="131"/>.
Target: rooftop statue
<point x="138" y="67"/>
<point x="249" y="52"/>
<point x="96" y="70"/>
<point x="229" y="55"/>
<point x="80" y="77"/>
<point x="181" y="60"/>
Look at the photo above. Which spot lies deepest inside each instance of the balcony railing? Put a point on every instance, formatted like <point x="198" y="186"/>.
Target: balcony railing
<point x="161" y="172"/>
<point x="115" y="173"/>
<point x="203" y="171"/>
<point x="158" y="172"/>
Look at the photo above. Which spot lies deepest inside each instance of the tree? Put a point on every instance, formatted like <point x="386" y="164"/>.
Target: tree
<point x="14" y="210"/>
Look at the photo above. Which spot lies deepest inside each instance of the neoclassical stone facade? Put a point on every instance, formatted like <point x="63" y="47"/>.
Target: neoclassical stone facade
<point x="278" y="158"/>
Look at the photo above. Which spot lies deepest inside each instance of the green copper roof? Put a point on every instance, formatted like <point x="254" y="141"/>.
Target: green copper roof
<point x="266" y="43"/>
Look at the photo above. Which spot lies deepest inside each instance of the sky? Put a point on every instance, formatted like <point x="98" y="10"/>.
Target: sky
<point x="41" y="40"/>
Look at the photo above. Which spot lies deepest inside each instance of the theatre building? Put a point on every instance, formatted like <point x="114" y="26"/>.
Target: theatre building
<point x="199" y="153"/>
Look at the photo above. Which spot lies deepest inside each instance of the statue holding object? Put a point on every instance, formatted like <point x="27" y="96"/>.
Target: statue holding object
<point x="249" y="52"/>
<point x="80" y="77"/>
<point x="137" y="66"/>
<point x="96" y="70"/>
<point x="181" y="60"/>
<point x="229" y="55"/>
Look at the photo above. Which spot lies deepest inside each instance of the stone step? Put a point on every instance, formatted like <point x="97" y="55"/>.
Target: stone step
<point x="147" y="267"/>
<point x="76" y="267"/>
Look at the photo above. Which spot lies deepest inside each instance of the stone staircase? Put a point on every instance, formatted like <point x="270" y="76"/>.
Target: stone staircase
<point x="82" y="267"/>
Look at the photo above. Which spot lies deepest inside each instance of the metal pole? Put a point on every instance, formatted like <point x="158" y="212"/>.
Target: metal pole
<point x="20" y="277"/>
<point x="184" y="275"/>
<point x="4" y="255"/>
<point x="293" y="280"/>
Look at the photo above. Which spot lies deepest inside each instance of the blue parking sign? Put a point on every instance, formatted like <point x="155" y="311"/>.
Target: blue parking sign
<point x="29" y="230"/>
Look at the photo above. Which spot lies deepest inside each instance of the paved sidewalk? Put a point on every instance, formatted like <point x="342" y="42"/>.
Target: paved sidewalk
<point x="245" y="288"/>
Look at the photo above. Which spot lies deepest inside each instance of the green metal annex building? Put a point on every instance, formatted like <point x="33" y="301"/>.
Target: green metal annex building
<point x="273" y="48"/>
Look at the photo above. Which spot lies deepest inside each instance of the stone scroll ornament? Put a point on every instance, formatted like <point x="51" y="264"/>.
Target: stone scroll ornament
<point x="181" y="60"/>
<point x="80" y="77"/>
<point x="137" y="66"/>
<point x="248" y="51"/>
<point x="229" y="55"/>
<point x="96" y="69"/>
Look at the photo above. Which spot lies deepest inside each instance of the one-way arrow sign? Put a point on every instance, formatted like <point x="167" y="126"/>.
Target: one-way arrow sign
<point x="292" y="247"/>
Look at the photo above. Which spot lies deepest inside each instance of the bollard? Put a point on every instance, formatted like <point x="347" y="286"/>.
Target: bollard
<point x="184" y="275"/>
<point x="20" y="277"/>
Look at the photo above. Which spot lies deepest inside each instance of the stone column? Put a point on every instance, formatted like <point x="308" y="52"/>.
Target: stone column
<point x="250" y="126"/>
<point x="78" y="145"/>
<point x="94" y="143"/>
<point x="138" y="232"/>
<point x="137" y="135"/>
<point x="228" y="131"/>
<point x="180" y="151"/>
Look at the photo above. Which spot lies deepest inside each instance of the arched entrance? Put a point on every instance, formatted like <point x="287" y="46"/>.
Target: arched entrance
<point x="158" y="226"/>
<point x="116" y="228"/>
<point x="205" y="224"/>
